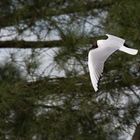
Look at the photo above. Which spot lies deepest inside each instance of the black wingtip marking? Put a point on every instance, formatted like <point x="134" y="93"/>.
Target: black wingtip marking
<point x="99" y="81"/>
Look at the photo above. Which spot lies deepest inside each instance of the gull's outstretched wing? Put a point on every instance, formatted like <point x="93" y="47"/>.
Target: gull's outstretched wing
<point x="98" y="56"/>
<point x="96" y="60"/>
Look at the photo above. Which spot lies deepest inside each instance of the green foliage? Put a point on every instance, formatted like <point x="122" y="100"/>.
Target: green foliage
<point x="33" y="107"/>
<point x="123" y="19"/>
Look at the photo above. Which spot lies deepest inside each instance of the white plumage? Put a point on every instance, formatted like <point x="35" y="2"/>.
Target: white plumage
<point x="98" y="56"/>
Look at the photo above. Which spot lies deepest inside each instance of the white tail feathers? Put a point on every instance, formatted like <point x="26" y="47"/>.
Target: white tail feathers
<point x="129" y="50"/>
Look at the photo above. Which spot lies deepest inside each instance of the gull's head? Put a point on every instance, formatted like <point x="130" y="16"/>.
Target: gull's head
<point x="94" y="46"/>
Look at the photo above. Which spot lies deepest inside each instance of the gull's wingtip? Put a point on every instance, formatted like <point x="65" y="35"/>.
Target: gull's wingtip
<point x="136" y="52"/>
<point x="95" y="89"/>
<point x="128" y="50"/>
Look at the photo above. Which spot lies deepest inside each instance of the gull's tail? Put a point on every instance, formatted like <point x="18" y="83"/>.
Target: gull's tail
<point x="129" y="50"/>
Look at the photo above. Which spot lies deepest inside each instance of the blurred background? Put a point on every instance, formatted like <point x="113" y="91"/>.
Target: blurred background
<point x="45" y="89"/>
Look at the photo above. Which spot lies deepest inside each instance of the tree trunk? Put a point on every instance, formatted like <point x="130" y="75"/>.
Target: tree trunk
<point x="136" y="135"/>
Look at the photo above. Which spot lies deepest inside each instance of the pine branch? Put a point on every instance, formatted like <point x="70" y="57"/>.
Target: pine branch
<point x="49" y="107"/>
<point x="36" y="44"/>
<point x="37" y="14"/>
<point x="82" y="82"/>
<point x="30" y="44"/>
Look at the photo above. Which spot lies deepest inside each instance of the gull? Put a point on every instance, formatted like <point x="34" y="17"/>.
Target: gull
<point x="99" y="53"/>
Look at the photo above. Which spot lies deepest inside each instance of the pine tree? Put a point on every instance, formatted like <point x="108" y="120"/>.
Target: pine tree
<point x="35" y="106"/>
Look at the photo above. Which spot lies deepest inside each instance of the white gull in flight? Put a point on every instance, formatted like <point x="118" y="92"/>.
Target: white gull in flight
<point x="99" y="53"/>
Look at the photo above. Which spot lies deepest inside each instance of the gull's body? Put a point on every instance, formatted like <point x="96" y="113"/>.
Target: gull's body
<point x="98" y="56"/>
